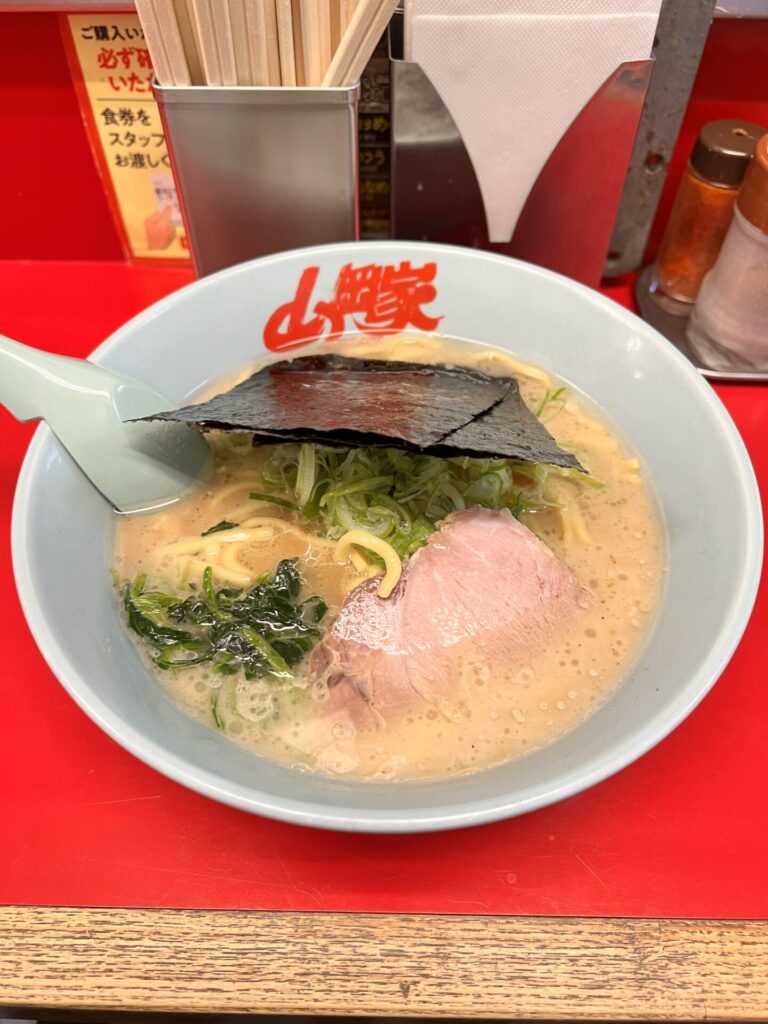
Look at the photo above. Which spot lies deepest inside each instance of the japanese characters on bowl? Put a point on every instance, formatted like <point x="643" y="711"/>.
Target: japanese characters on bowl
<point x="374" y="298"/>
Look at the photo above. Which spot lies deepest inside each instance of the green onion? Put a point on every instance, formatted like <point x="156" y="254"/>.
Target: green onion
<point x="223" y="525"/>
<point x="577" y="476"/>
<point x="401" y="496"/>
<point x="218" y="720"/>
<point x="210" y="594"/>
<point x="256" y="496"/>
<point x="305" y="473"/>
<point x="552" y="400"/>
<point x="371" y="483"/>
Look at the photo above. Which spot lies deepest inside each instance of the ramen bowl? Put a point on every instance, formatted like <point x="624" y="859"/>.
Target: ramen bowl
<point x="656" y="401"/>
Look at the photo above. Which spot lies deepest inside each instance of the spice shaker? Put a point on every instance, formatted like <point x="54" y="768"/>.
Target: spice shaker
<point x="729" y="325"/>
<point x="701" y="213"/>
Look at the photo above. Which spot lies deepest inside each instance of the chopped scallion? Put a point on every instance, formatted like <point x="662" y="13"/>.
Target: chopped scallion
<point x="223" y="525"/>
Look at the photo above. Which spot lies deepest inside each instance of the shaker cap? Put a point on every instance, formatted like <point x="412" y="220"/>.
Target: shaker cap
<point x="723" y="150"/>
<point x="753" y="198"/>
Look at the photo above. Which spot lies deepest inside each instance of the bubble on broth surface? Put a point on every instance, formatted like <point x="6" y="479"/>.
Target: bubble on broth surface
<point x="254" y="700"/>
<point x="337" y="762"/>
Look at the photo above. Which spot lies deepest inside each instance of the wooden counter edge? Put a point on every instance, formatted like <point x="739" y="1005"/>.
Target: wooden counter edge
<point x="187" y="962"/>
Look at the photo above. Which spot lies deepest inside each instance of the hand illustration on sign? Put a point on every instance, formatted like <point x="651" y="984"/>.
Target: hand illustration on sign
<point x="160" y="231"/>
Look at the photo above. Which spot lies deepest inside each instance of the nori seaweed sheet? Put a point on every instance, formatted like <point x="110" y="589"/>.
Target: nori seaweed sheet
<point x="338" y="401"/>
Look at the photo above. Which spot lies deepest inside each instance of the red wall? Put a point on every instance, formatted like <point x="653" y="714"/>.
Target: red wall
<point x="51" y="202"/>
<point x="52" y="205"/>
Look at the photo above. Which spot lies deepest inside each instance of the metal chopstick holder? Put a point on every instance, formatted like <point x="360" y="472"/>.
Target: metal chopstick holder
<point x="261" y="170"/>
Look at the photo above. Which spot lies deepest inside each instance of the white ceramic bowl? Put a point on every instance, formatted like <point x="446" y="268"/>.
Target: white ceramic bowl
<point x="62" y="528"/>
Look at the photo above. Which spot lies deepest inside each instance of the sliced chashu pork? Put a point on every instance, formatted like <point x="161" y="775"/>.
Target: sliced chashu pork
<point x="482" y="585"/>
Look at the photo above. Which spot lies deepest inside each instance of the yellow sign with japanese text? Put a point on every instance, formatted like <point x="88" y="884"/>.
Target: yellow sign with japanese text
<point x="113" y="76"/>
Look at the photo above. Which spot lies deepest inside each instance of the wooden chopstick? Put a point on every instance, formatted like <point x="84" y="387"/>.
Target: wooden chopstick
<point x="365" y="29"/>
<point x="312" y="41"/>
<point x="189" y="41"/>
<point x="273" y="47"/>
<point x="335" y="21"/>
<point x="240" y="42"/>
<point x="324" y="20"/>
<point x="155" y="42"/>
<point x="341" y="15"/>
<point x="255" y="17"/>
<point x="206" y="36"/>
<point x="298" y="44"/>
<point x="165" y="16"/>
<point x="225" y="44"/>
<point x="262" y="42"/>
<point x="285" y="42"/>
<point x="347" y="13"/>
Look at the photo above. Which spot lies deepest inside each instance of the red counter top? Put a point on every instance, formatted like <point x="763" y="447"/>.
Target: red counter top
<point x="682" y="832"/>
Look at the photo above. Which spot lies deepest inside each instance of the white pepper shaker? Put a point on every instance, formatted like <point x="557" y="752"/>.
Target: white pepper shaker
<point x="729" y="325"/>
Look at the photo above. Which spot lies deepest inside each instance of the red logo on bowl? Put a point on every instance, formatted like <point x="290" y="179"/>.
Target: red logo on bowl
<point x="375" y="299"/>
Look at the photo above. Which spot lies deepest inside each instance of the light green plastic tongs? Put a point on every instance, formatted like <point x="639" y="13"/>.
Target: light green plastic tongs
<point x="136" y="466"/>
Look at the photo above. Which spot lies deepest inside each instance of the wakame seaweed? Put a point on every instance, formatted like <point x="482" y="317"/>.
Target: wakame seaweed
<point x="374" y="403"/>
<point x="263" y="631"/>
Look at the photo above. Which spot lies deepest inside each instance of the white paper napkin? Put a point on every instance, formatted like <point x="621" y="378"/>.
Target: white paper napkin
<point x="514" y="74"/>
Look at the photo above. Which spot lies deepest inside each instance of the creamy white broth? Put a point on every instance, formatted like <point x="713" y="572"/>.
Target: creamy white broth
<point x="610" y="538"/>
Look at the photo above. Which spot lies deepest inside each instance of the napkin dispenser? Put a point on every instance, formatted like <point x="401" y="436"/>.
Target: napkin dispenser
<point x="567" y="220"/>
